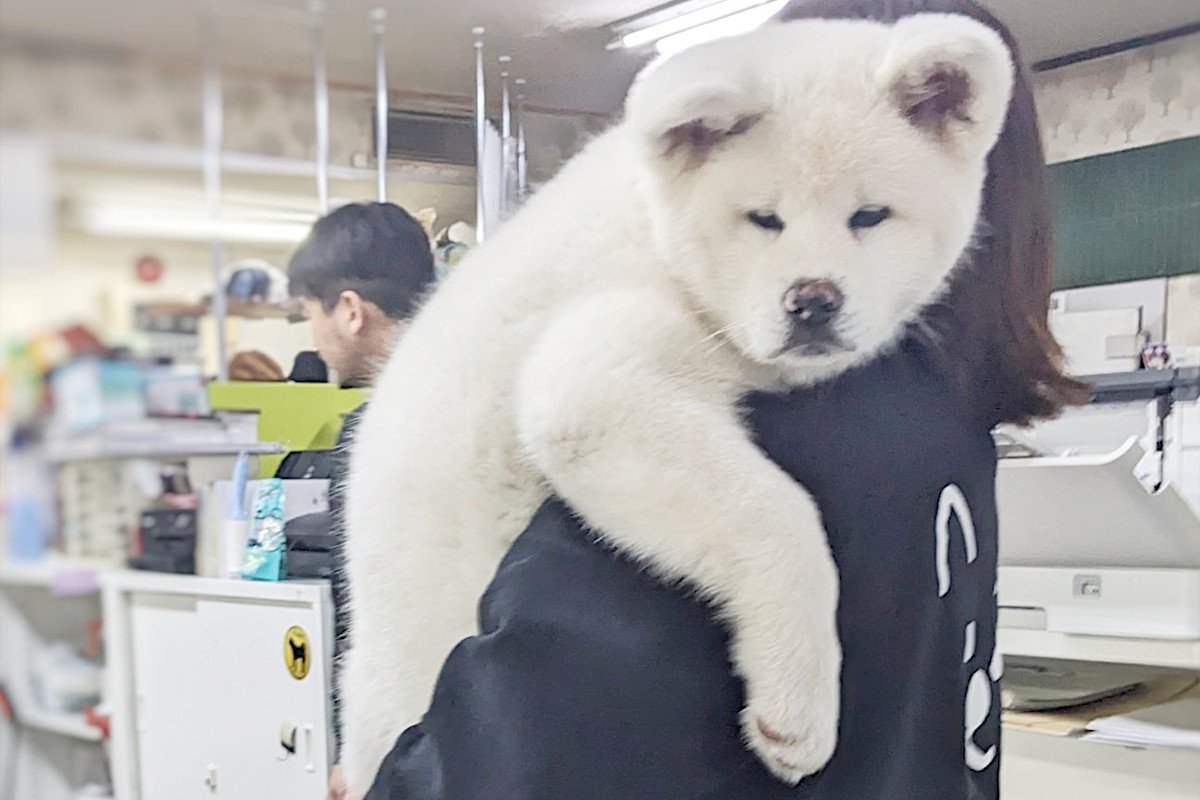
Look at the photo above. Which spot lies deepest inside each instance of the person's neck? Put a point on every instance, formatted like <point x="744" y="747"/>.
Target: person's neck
<point x="376" y="348"/>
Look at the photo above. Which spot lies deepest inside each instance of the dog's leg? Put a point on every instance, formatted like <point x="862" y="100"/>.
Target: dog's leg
<point x="629" y="410"/>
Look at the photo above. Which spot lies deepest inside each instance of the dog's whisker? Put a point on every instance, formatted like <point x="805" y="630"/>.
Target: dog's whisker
<point x="718" y="335"/>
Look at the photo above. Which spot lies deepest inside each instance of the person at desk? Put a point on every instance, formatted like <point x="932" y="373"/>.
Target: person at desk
<point x="359" y="274"/>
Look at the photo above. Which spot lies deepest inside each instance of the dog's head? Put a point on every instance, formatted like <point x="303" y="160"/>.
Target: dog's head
<point x="814" y="183"/>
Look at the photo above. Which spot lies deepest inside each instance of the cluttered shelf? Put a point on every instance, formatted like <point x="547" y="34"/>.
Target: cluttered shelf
<point x="1105" y="731"/>
<point x="95" y="447"/>
<point x="1141" y="740"/>
<point x="1134" y="706"/>
<point x="233" y="308"/>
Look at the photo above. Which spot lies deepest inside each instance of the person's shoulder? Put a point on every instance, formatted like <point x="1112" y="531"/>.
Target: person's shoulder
<point x="558" y="567"/>
<point x="350" y="425"/>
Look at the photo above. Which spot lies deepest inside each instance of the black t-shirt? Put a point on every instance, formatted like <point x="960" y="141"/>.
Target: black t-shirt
<point x="591" y="681"/>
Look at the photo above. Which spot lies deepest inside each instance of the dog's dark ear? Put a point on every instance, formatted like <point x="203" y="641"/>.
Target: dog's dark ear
<point x="696" y="138"/>
<point x="683" y="109"/>
<point x="951" y="77"/>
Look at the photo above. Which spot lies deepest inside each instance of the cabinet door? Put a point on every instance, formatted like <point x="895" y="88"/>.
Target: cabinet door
<point x="169" y="651"/>
<point x="260" y="694"/>
<point x="214" y="690"/>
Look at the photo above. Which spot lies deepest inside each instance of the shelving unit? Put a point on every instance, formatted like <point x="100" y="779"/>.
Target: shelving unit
<point x="42" y="602"/>
<point x="54" y="598"/>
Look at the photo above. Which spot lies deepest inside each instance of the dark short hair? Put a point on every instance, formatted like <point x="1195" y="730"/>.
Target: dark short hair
<point x="990" y="331"/>
<point x="375" y="249"/>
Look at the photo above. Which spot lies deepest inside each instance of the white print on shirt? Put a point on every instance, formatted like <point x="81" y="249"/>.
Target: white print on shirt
<point x="953" y="502"/>
<point x="980" y="694"/>
<point x="979" y="703"/>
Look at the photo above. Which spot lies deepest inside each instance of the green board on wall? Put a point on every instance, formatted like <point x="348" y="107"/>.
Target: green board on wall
<point x="1128" y="215"/>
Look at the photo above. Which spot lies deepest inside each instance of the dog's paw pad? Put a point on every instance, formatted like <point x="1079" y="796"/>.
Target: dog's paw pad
<point x="789" y="754"/>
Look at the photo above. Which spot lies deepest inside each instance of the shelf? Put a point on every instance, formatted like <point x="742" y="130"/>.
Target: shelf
<point x="233" y="308"/>
<point x="120" y="153"/>
<point x="1178" y="654"/>
<point x="66" y="577"/>
<point x="63" y="577"/>
<point x="72" y="726"/>
<point x="1178" y="383"/>
<point x="289" y="591"/>
<point x="1011" y="729"/>
<point x="94" y="448"/>
<point x="1038" y="766"/>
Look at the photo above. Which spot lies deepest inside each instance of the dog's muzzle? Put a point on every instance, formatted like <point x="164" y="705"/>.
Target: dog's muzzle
<point x="812" y="306"/>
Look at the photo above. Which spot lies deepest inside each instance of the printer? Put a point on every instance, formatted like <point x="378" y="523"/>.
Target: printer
<point x="1099" y="515"/>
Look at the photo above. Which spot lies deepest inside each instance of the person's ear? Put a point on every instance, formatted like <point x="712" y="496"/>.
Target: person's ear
<point x="351" y="313"/>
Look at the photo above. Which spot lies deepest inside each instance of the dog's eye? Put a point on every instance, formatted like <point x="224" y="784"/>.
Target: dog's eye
<point x="868" y="217"/>
<point x="767" y="220"/>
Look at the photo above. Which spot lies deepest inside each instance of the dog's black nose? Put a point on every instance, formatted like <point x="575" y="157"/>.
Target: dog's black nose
<point x="813" y="303"/>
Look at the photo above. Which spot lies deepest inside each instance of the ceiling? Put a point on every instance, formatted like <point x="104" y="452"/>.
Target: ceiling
<point x="558" y="45"/>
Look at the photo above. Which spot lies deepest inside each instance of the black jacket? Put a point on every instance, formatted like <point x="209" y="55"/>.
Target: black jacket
<point x="340" y="585"/>
<point x="591" y="681"/>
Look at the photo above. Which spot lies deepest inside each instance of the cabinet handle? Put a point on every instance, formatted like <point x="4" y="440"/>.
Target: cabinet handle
<point x="308" y="748"/>
<point x="210" y="777"/>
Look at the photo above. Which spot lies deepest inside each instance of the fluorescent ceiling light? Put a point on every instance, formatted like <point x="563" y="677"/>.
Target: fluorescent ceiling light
<point x="739" y="22"/>
<point x="129" y="223"/>
<point x="689" y="22"/>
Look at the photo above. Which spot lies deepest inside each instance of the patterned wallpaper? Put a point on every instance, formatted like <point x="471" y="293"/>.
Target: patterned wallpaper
<point x="131" y="99"/>
<point x="1130" y="99"/>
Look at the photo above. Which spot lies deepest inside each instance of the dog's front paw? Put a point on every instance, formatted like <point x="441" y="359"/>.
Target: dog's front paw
<point x="792" y="707"/>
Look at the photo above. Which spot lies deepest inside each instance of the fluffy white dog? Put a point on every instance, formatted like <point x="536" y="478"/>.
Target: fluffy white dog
<point x="774" y="209"/>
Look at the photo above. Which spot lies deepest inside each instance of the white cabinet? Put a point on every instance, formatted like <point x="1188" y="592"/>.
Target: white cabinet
<point x="219" y="673"/>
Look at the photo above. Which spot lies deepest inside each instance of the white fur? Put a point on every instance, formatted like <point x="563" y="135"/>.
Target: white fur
<point x="597" y="347"/>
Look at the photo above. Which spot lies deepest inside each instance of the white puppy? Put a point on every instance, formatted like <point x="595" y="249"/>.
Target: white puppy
<point x="774" y="210"/>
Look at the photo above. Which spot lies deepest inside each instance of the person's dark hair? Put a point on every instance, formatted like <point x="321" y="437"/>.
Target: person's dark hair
<point x="990" y="330"/>
<point x="375" y="249"/>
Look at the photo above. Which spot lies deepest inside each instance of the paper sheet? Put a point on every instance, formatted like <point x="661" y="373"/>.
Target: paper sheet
<point x="1173" y="724"/>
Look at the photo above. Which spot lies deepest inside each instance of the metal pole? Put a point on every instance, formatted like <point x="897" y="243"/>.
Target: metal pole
<point x="379" y="22"/>
<point x="508" y="150"/>
<point x="522" y="178"/>
<point x="212" y="182"/>
<point x="321" y="105"/>
<point x="480" y="136"/>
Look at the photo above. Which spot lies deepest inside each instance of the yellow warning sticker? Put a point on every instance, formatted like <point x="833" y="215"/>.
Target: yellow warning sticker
<point x="297" y="653"/>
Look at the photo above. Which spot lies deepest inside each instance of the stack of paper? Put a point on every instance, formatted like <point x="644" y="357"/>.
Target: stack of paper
<point x="1078" y="721"/>
<point x="1174" y="724"/>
